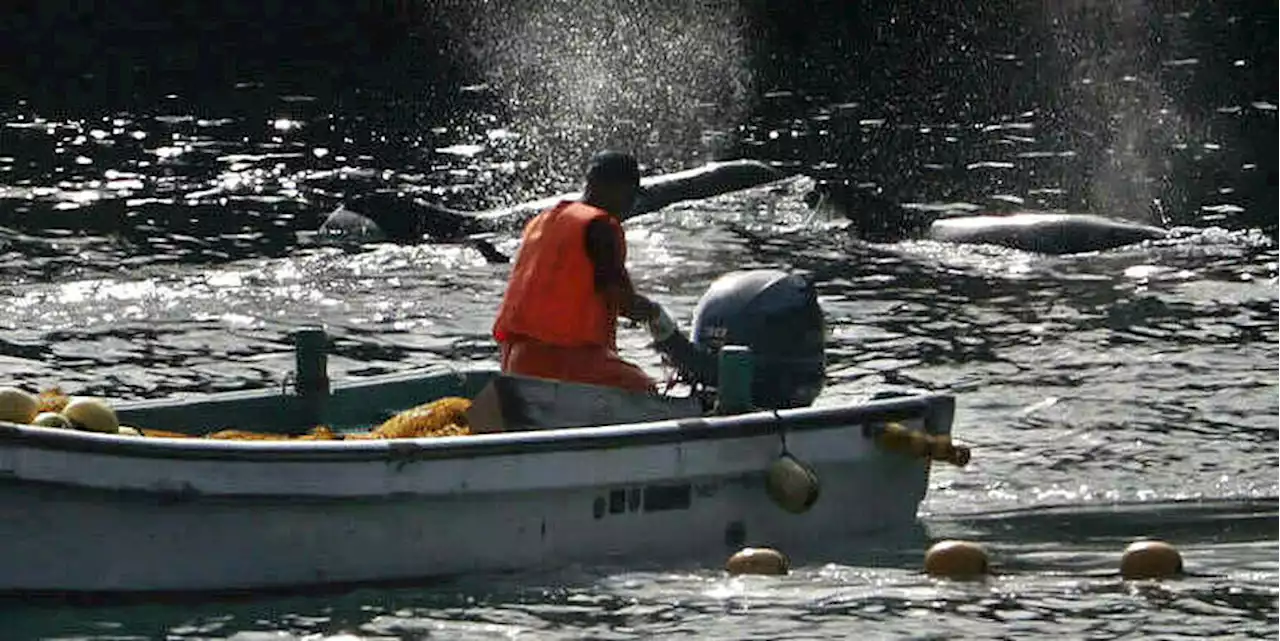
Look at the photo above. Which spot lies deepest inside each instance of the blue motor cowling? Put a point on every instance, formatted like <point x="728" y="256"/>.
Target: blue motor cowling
<point x="776" y="315"/>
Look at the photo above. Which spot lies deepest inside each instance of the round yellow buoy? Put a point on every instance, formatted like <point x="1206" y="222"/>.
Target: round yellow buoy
<point x="791" y="484"/>
<point x="956" y="560"/>
<point x="1150" y="560"/>
<point x="17" y="406"/>
<point x="92" y="415"/>
<point x="767" y="561"/>
<point x="51" y="419"/>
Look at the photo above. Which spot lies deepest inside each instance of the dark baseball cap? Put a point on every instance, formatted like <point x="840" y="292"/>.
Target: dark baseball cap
<point x="613" y="167"/>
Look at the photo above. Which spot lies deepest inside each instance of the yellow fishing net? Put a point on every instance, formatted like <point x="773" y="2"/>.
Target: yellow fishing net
<point x="442" y="417"/>
<point x="52" y="400"/>
<point x="318" y="433"/>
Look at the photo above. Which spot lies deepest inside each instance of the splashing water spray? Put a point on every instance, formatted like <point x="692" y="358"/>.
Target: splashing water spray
<point x="1114" y="87"/>
<point x="658" y="78"/>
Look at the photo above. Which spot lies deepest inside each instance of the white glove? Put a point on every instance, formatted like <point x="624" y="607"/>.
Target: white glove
<point x="661" y="326"/>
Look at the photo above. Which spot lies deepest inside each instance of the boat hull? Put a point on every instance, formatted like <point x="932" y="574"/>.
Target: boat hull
<point x="102" y="513"/>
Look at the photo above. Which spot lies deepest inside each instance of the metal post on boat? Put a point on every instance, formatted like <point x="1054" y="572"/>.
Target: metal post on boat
<point x="737" y="367"/>
<point x="311" y="376"/>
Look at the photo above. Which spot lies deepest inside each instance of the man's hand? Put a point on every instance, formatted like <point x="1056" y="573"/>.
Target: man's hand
<point x="661" y="326"/>
<point x="642" y="310"/>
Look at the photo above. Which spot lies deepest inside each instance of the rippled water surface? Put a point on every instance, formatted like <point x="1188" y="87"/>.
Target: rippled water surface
<point x="157" y="245"/>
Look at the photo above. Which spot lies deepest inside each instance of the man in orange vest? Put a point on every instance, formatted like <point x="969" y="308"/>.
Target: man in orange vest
<point x="569" y="286"/>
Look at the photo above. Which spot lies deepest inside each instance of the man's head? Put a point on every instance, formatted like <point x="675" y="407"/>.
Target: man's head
<point x="613" y="182"/>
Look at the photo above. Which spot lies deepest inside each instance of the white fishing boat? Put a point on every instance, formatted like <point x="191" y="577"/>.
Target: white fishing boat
<point x="552" y="473"/>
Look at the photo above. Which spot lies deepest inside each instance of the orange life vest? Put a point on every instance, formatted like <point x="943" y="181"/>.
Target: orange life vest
<point x="551" y="294"/>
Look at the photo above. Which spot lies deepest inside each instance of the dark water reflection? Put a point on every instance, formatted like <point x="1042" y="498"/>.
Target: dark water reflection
<point x="154" y="199"/>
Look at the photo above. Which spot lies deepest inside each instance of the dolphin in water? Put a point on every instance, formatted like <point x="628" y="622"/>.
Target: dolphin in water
<point x="1044" y="232"/>
<point x="389" y="217"/>
<point x="878" y="219"/>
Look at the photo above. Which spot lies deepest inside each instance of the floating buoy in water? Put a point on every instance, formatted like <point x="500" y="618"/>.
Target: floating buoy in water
<point x="791" y="484"/>
<point x="1150" y="560"/>
<point x="766" y="561"/>
<point x="51" y="419"/>
<point x="956" y="560"/>
<point x="17" y="406"/>
<point x="92" y="415"/>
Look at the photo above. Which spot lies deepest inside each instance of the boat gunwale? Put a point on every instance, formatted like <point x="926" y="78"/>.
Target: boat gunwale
<point x="936" y="409"/>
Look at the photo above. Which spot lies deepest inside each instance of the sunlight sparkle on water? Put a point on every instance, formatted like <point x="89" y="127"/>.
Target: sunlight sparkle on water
<point x="501" y="134"/>
<point x="105" y="289"/>
<point x="241" y="321"/>
<point x="171" y="151"/>
<point x="1143" y="272"/>
<point x="225" y="279"/>
<point x="461" y="150"/>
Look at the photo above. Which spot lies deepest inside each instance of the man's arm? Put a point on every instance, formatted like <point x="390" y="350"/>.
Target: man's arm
<point x="611" y="277"/>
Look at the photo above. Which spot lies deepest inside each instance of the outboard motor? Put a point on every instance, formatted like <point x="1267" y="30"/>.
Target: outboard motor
<point x="774" y="314"/>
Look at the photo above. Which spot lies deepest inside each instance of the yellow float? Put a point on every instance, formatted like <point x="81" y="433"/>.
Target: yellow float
<point x="791" y="484"/>
<point x="764" y="561"/>
<point x="17" y="406"/>
<point x="957" y="560"/>
<point x="895" y="437"/>
<point x="52" y="419"/>
<point x="1150" y="559"/>
<point x="91" y="415"/>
